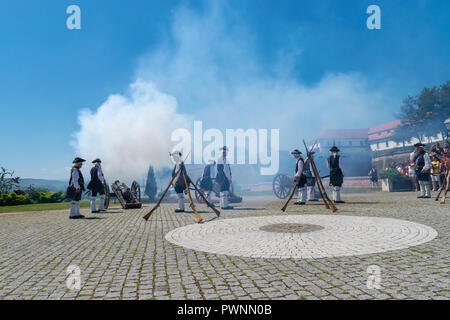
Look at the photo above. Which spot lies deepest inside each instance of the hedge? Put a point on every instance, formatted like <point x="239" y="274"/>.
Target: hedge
<point x="14" y="199"/>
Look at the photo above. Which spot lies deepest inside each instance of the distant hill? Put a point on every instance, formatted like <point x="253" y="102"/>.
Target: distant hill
<point x="52" y="185"/>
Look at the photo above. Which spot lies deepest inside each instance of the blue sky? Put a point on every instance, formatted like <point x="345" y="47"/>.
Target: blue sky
<point x="48" y="74"/>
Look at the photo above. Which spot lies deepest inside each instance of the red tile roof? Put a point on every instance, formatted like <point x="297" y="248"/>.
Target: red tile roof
<point x="383" y="127"/>
<point x="382" y="131"/>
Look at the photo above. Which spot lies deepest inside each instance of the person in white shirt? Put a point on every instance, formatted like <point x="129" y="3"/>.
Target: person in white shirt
<point x="97" y="186"/>
<point x="336" y="174"/>
<point x="224" y="179"/>
<point x="299" y="177"/>
<point x="179" y="183"/>
<point x="77" y="183"/>
<point x="422" y="164"/>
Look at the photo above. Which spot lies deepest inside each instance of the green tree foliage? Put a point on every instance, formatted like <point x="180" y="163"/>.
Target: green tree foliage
<point x="13" y="199"/>
<point x="43" y="196"/>
<point x="424" y="115"/>
<point x="150" y="186"/>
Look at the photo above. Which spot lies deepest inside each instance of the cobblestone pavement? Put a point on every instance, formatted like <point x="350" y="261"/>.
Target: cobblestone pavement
<point x="121" y="256"/>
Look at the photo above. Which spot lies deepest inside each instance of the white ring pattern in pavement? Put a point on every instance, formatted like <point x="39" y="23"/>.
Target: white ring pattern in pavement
<point x="340" y="236"/>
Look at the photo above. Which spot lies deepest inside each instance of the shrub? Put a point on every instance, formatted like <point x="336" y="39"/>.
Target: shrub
<point x="51" y="197"/>
<point x="393" y="175"/>
<point x="13" y="199"/>
<point x="44" y="196"/>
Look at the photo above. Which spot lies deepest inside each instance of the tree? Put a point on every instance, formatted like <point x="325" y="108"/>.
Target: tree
<point x="7" y="181"/>
<point x="150" y="186"/>
<point x="423" y="115"/>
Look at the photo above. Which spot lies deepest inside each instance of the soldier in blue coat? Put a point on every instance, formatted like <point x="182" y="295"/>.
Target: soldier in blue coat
<point x="97" y="186"/>
<point x="223" y="178"/>
<point x="300" y="177"/>
<point x="336" y="174"/>
<point x="77" y="184"/>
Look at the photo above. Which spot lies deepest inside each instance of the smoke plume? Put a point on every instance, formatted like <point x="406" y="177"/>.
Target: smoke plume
<point x="210" y="64"/>
<point x="129" y="132"/>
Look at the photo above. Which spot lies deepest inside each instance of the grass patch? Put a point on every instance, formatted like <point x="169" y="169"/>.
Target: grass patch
<point x="41" y="207"/>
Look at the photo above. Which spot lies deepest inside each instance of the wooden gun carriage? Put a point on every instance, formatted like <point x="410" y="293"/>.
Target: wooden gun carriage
<point x="233" y="198"/>
<point x="129" y="198"/>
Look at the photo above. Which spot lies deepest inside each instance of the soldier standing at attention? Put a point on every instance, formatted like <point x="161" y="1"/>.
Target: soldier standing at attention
<point x="77" y="182"/>
<point x="178" y="182"/>
<point x="206" y="183"/>
<point x="223" y="178"/>
<point x="336" y="174"/>
<point x="97" y="186"/>
<point x="422" y="163"/>
<point x="299" y="177"/>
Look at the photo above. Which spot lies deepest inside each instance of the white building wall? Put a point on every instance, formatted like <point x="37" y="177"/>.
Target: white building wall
<point x="386" y="145"/>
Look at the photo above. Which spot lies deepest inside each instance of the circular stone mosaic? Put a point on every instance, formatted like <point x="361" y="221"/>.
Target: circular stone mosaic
<point x="301" y="236"/>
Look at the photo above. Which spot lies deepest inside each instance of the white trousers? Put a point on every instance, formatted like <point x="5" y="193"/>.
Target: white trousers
<point x="101" y="205"/>
<point x="336" y="193"/>
<point x="311" y="193"/>
<point x="302" y="194"/>
<point x="425" y="188"/>
<point x="93" y="206"/>
<point x="224" y="199"/>
<point x="74" y="209"/>
<point x="180" y="201"/>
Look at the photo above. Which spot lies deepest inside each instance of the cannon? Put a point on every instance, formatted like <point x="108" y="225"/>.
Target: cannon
<point x="129" y="198"/>
<point x="282" y="185"/>
<point x="216" y="191"/>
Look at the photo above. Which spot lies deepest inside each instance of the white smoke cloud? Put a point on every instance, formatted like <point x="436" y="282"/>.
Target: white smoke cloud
<point x="129" y="132"/>
<point x="209" y="62"/>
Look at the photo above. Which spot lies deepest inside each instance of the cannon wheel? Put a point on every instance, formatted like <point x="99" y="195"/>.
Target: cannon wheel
<point x="197" y="195"/>
<point x="282" y="185"/>
<point x="136" y="190"/>
<point x="107" y="195"/>
<point x="118" y="195"/>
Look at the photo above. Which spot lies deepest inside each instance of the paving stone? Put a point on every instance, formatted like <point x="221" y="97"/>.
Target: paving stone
<point x="121" y="256"/>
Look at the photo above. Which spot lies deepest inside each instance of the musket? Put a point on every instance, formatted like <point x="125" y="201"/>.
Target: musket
<point x="328" y="203"/>
<point x="217" y="212"/>
<point x="197" y="216"/>
<point x="162" y="197"/>
<point x="297" y="183"/>
<point x="165" y="192"/>
<point x="442" y="186"/>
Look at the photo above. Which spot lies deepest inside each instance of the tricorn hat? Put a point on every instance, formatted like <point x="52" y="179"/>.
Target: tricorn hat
<point x="419" y="144"/>
<point x="334" y="149"/>
<point x="176" y="153"/>
<point x="78" y="160"/>
<point x="97" y="160"/>
<point x="296" y="151"/>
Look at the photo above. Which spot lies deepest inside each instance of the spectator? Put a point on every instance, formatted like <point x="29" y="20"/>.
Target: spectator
<point x="437" y="150"/>
<point x="446" y="150"/>
<point x="435" y="172"/>
<point x="405" y="169"/>
<point x="373" y="175"/>
<point x="412" y="175"/>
